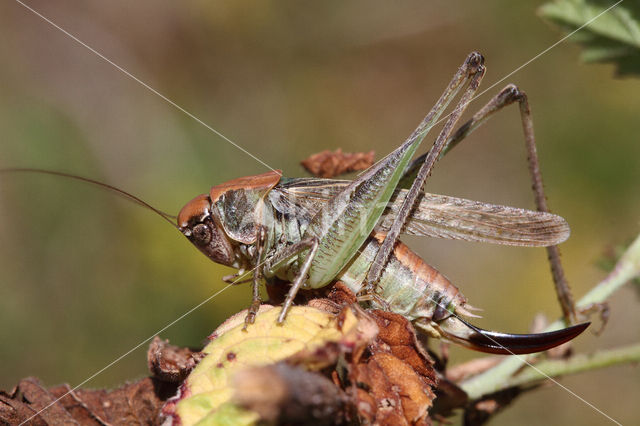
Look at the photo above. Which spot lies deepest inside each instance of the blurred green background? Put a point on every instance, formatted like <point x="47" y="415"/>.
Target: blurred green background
<point x="85" y="276"/>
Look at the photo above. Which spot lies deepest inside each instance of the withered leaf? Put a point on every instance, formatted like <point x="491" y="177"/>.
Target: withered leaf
<point x="135" y="403"/>
<point x="171" y="363"/>
<point x="328" y="164"/>
<point x="397" y="333"/>
<point x="396" y="378"/>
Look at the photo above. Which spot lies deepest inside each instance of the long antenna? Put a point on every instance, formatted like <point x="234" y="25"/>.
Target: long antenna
<point x="169" y="218"/>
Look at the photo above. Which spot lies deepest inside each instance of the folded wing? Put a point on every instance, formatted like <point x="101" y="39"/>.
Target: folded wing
<point x="443" y="216"/>
<point x="456" y="218"/>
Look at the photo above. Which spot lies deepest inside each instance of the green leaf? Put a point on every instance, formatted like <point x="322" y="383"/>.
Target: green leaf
<point x="613" y="37"/>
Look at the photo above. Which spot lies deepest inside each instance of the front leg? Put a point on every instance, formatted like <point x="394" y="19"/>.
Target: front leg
<point x="257" y="276"/>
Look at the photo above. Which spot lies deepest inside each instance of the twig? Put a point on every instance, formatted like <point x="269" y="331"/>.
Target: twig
<point x="576" y="364"/>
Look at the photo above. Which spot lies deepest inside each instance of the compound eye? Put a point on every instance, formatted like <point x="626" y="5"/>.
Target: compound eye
<point x="201" y="234"/>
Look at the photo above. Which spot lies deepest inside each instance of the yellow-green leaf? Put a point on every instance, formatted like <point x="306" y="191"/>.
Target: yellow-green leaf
<point x="207" y="393"/>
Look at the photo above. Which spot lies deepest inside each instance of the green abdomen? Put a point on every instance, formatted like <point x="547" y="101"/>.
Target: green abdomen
<point x="409" y="285"/>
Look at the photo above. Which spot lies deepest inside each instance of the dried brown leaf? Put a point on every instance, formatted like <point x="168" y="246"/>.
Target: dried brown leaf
<point x="171" y="363"/>
<point x="135" y="403"/>
<point x="395" y="379"/>
<point x="328" y="164"/>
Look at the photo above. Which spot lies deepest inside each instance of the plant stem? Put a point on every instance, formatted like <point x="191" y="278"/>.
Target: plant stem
<point x="494" y="379"/>
<point x="576" y="364"/>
